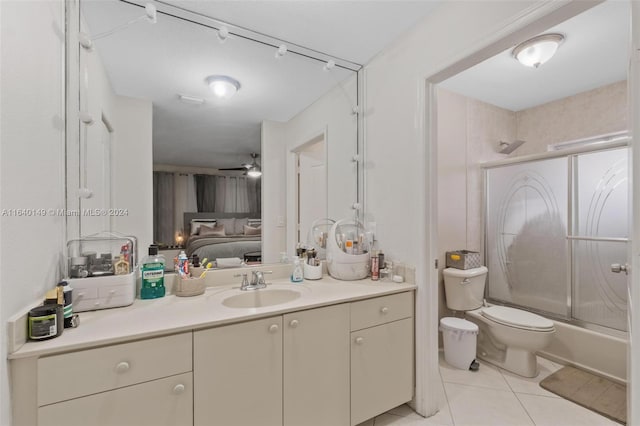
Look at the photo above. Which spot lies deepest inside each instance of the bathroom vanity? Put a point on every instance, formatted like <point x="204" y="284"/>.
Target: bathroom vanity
<point x="326" y="352"/>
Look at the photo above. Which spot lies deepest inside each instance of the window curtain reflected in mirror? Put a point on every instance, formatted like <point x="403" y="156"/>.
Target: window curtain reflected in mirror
<point x="163" y="207"/>
<point x="177" y="193"/>
<point x="184" y="199"/>
<point x="206" y="192"/>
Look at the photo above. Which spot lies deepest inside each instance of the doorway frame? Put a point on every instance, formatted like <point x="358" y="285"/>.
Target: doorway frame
<point x="292" y="182"/>
<point x="529" y="23"/>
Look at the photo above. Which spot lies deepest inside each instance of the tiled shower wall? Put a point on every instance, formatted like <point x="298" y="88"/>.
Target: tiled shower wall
<point x="468" y="134"/>
<point x="596" y="112"/>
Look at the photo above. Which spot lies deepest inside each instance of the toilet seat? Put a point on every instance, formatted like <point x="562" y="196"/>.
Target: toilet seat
<point x="517" y="318"/>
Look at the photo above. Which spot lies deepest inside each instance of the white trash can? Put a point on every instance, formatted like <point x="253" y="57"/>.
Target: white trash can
<point x="459" y="338"/>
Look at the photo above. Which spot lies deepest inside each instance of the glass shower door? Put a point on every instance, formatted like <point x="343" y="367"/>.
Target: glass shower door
<point x="527" y="249"/>
<point x="600" y="232"/>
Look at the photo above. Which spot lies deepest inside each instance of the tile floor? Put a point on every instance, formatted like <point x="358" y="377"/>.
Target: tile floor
<point x="495" y="397"/>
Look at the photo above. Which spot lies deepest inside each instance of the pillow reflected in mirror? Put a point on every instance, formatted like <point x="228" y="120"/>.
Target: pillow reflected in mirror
<point x="213" y="231"/>
<point x="249" y="230"/>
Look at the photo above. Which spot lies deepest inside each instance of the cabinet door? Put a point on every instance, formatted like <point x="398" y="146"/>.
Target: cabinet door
<point x="162" y="402"/>
<point x="316" y="367"/>
<point x="238" y="374"/>
<point x="381" y="369"/>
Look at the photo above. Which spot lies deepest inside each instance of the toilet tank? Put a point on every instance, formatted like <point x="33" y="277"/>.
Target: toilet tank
<point x="464" y="288"/>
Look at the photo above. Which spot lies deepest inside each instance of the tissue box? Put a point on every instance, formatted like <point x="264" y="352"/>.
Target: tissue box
<point x="463" y="259"/>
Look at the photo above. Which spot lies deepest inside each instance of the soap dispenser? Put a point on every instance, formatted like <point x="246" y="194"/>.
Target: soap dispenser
<point x="297" y="274"/>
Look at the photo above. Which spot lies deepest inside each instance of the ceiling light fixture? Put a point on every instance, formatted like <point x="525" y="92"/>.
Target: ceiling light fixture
<point x="223" y="86"/>
<point x="538" y="50"/>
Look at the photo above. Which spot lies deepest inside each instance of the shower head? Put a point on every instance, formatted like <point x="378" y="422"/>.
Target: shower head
<point x="508" y="148"/>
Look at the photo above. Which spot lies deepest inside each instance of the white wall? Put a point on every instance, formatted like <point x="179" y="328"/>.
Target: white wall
<point x="132" y="173"/>
<point x="333" y="113"/>
<point x="31" y="158"/>
<point x="274" y="204"/>
<point x="330" y="113"/>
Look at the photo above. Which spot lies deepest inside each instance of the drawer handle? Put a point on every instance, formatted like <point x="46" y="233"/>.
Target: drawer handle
<point x="359" y="340"/>
<point x="273" y="328"/>
<point x="294" y="323"/>
<point x="384" y="310"/>
<point x="122" y="367"/>
<point x="178" y="389"/>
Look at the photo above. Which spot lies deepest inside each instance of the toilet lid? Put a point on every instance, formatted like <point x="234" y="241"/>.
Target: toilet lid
<point x="517" y="318"/>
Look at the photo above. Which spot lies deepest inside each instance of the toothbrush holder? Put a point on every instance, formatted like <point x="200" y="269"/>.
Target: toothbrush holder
<point x="312" y="272"/>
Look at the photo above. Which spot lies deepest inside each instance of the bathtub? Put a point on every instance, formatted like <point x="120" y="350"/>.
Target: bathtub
<point x="593" y="351"/>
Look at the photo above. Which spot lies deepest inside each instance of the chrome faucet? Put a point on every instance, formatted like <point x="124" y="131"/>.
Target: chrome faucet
<point x="257" y="280"/>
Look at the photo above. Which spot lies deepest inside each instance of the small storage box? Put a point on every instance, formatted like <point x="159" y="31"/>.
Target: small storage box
<point x="463" y="259"/>
<point x="102" y="271"/>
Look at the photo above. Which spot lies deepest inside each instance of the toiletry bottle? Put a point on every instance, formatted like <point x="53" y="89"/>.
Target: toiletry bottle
<point x="297" y="274"/>
<point x="67" y="292"/>
<point x="375" y="270"/>
<point x="183" y="264"/>
<point x="152" y="275"/>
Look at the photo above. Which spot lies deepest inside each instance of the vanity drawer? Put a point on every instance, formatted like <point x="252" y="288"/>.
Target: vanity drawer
<point x="372" y="312"/>
<point x="71" y="375"/>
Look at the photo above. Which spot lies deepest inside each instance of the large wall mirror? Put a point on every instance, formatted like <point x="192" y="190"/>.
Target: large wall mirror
<point x="199" y="134"/>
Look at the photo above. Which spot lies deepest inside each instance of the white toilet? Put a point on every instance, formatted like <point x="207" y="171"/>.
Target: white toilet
<point x="508" y="338"/>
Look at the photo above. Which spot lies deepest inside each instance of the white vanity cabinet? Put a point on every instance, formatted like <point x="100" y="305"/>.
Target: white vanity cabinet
<point x="382" y="355"/>
<point x="148" y="382"/>
<point x="291" y="370"/>
<point x="334" y="365"/>
<point x="238" y="374"/>
<point x="316" y="367"/>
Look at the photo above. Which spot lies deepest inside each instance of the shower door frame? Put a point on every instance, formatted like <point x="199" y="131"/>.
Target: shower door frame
<point x="621" y="141"/>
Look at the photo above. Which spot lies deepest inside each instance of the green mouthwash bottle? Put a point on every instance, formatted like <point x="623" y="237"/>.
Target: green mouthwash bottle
<point x="152" y="275"/>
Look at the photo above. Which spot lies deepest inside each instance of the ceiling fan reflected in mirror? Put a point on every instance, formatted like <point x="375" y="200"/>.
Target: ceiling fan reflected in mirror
<point x="250" y="169"/>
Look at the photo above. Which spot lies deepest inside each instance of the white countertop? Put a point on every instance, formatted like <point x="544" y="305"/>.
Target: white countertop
<point x="172" y="314"/>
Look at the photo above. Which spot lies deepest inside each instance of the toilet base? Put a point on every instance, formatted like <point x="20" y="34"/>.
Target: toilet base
<point x="519" y="361"/>
<point x="522" y="362"/>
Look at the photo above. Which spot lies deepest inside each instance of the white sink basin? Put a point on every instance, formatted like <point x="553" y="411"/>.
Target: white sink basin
<point x="260" y="298"/>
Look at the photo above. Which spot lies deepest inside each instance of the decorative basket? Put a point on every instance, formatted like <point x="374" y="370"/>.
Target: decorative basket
<point x="463" y="259"/>
<point x="186" y="287"/>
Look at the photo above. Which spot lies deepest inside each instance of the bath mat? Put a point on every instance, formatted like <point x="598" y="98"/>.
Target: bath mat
<point x="596" y="393"/>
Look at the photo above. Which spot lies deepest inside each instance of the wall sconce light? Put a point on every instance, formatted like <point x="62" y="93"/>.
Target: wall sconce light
<point x="538" y="50"/>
